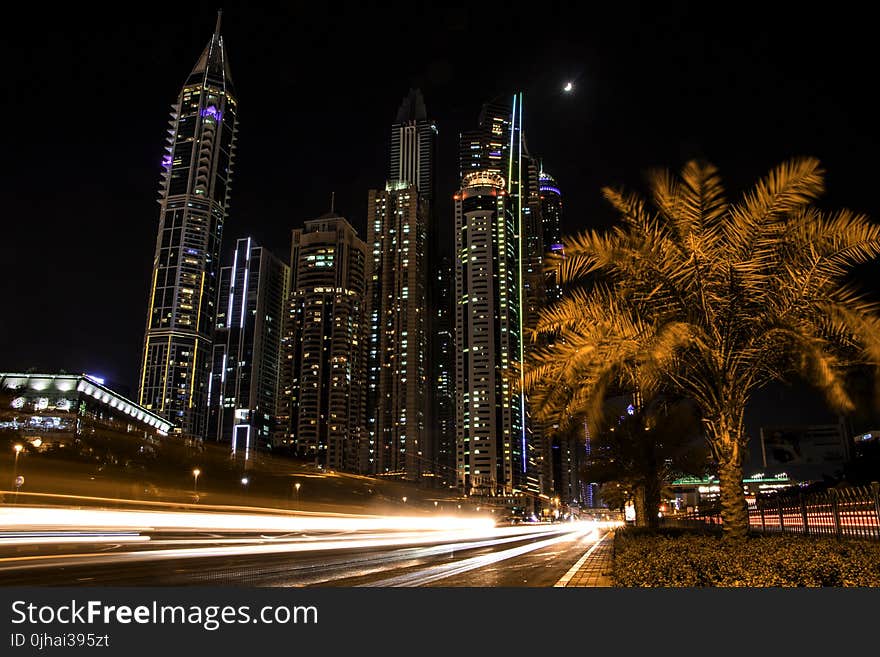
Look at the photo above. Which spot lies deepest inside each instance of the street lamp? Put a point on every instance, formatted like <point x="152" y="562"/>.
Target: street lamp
<point x="296" y="487"/>
<point x="196" y="473"/>
<point x="17" y="447"/>
<point x="404" y="499"/>
<point x="15" y="481"/>
<point x="435" y="504"/>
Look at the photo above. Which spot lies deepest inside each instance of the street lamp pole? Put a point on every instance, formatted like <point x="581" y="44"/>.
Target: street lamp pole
<point x="196" y="473"/>
<point x="296" y="488"/>
<point x="17" y="447"/>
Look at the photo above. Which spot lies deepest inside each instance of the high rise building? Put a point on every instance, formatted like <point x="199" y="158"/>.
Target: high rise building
<point x="551" y="217"/>
<point x="194" y="200"/>
<point x="324" y="374"/>
<point x="490" y="147"/>
<point x="397" y="224"/>
<point x="413" y="156"/>
<point x="539" y="471"/>
<point x="567" y="455"/>
<point x="244" y="383"/>
<point x="490" y="445"/>
<point x="413" y="150"/>
<point x="491" y="430"/>
<point x="499" y="289"/>
<point x="442" y="427"/>
<point x="534" y="288"/>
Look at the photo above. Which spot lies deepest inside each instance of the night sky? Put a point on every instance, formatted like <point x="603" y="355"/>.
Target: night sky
<point x="87" y="95"/>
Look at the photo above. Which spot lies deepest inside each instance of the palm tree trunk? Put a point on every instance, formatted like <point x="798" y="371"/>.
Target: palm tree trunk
<point x="725" y="435"/>
<point x="734" y="512"/>
<point x="652" y="485"/>
<point x="641" y="509"/>
<point x="652" y="501"/>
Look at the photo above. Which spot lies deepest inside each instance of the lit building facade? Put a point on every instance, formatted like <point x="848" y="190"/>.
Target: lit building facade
<point x="490" y="450"/>
<point x="324" y="370"/>
<point x="443" y="373"/>
<point x="194" y="199"/>
<point x="551" y="217"/>
<point x="493" y="146"/>
<point x="567" y="454"/>
<point x="492" y="435"/>
<point x="539" y="471"/>
<point x="413" y="154"/>
<point x="413" y="149"/>
<point x="77" y="413"/>
<point x="397" y="224"/>
<point x="245" y="372"/>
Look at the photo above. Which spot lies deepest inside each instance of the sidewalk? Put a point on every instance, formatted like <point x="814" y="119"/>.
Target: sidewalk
<point x="594" y="567"/>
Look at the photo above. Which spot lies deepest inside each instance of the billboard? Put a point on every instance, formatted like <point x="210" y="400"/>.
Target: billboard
<point x="818" y="446"/>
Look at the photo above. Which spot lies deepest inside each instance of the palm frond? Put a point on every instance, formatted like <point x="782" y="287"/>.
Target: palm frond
<point x="787" y="189"/>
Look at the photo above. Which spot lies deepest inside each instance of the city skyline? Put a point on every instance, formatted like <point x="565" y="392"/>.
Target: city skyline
<point x="335" y="355"/>
<point x="111" y="353"/>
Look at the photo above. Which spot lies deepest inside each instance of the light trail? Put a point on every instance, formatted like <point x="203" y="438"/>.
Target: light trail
<point x="460" y="539"/>
<point x="31" y="517"/>
<point x="44" y="538"/>
<point x="434" y="573"/>
<point x="116" y="501"/>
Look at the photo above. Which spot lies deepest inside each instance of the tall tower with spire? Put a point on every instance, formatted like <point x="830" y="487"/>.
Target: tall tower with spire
<point x="193" y="202"/>
<point x="492" y="431"/>
<point x="414" y="146"/>
<point x="400" y="232"/>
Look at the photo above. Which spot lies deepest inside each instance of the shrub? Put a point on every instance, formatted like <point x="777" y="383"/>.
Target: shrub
<point x="687" y="559"/>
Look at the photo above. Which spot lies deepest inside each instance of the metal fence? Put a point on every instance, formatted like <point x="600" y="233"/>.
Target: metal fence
<point x="851" y="512"/>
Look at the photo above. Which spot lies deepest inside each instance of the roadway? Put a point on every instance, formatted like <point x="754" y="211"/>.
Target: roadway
<point x="76" y="547"/>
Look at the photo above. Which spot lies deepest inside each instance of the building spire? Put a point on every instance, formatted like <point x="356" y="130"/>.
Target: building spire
<point x="412" y="108"/>
<point x="332" y="202"/>
<point x="213" y="63"/>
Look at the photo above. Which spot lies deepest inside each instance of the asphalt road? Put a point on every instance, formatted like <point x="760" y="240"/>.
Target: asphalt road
<point x="503" y="556"/>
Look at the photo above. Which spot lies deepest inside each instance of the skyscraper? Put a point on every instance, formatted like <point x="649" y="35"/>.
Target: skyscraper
<point x="442" y="425"/>
<point x="494" y="446"/>
<point x="539" y="470"/>
<point x="489" y="147"/>
<point x="534" y="288"/>
<point x="244" y="383"/>
<point x="413" y="151"/>
<point x="412" y="159"/>
<point x="551" y="217"/>
<point x="567" y="455"/>
<point x="397" y="224"/>
<point x="490" y="445"/>
<point x="194" y="200"/>
<point x="325" y="338"/>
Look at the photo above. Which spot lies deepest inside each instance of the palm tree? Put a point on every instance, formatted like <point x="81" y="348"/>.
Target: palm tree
<point x="709" y="300"/>
<point x="645" y="450"/>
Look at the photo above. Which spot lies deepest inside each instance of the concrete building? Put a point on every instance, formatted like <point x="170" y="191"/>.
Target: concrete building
<point x="397" y="309"/>
<point x="245" y="374"/>
<point x="194" y="199"/>
<point x="324" y="369"/>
